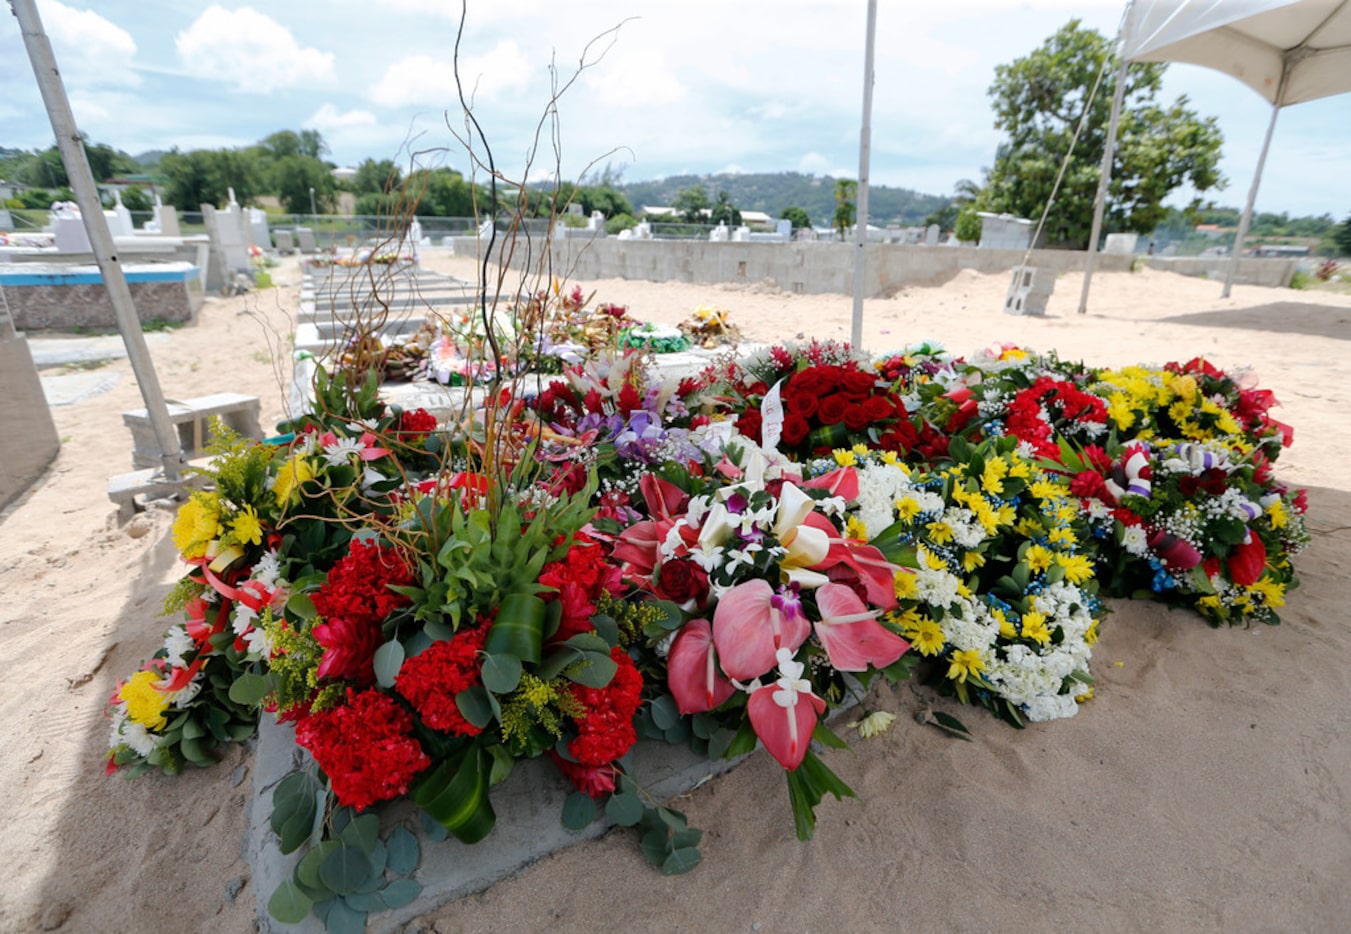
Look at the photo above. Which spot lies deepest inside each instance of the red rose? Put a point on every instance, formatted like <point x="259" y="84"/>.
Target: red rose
<point x="857" y="382"/>
<point x="795" y="428"/>
<point x="803" y="404"/>
<point x="748" y="423"/>
<point x="832" y="409"/>
<point x="681" y="580"/>
<point x="856" y="417"/>
<point x="878" y="408"/>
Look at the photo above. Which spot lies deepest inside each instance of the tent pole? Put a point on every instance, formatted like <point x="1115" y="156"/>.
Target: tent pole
<point x="864" y="154"/>
<point x="1105" y="175"/>
<point x="81" y="179"/>
<point x="1246" y="220"/>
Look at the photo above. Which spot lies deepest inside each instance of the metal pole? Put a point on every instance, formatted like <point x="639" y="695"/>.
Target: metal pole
<point x="1104" y="177"/>
<point x="1246" y="220"/>
<point x="100" y="238"/>
<point x="864" y="152"/>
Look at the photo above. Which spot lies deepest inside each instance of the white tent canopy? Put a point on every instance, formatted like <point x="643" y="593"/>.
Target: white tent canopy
<point x="1288" y="51"/>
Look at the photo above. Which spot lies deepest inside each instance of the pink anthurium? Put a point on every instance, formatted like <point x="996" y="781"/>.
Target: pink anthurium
<point x="692" y="670"/>
<point x="751" y="624"/>
<point x="842" y="481"/>
<point x="851" y="634"/>
<point x="664" y="499"/>
<point x="874" y="571"/>
<point x="785" y="713"/>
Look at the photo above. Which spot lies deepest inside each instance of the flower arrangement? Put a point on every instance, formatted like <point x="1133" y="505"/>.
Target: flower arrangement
<point x="721" y="560"/>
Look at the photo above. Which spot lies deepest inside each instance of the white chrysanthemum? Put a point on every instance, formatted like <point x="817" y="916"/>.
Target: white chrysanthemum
<point x="133" y="734"/>
<point x="1059" y="707"/>
<point x="339" y="451"/>
<point x="177" y="644"/>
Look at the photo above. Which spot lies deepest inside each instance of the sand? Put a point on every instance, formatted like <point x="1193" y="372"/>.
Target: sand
<point x="1207" y="785"/>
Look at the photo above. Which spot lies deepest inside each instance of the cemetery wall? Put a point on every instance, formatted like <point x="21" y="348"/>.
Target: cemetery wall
<point x="37" y="307"/>
<point x="828" y="267"/>
<point x="28" y="436"/>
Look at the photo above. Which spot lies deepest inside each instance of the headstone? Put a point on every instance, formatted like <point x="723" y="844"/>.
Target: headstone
<point x="643" y="231"/>
<point x="68" y="231"/>
<point x="305" y="240"/>
<point x="1120" y="244"/>
<point x="166" y="217"/>
<point x="741" y="235"/>
<point x="124" y="226"/>
<point x="931" y="235"/>
<point x="718" y="234"/>
<point x="6" y="222"/>
<point x="229" y="252"/>
<point x="596" y="221"/>
<point x="1029" y="291"/>
<point x="1004" y="231"/>
<point x="415" y="231"/>
<point x="485" y="229"/>
<point x="258" y="227"/>
<point x="784" y="228"/>
<point x="285" y="244"/>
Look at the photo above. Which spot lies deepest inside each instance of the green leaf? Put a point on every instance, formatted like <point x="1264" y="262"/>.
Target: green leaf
<point x="301" y="606"/>
<point x="474" y="706"/>
<point x="665" y="714"/>
<point x="589" y="642"/>
<point x="519" y="628"/>
<point x="553" y="666"/>
<point x="249" y="689"/>
<point x="307" y="870"/>
<point x="363" y="832"/>
<point x="501" y="673"/>
<point x="401" y="892"/>
<point x="607" y="628"/>
<point x="680" y="861"/>
<point x="388" y="660"/>
<point x="656" y="846"/>
<point x="593" y="670"/>
<point x="951" y="725"/>
<point x="345" y="870"/>
<point x="344" y="919"/>
<point x="690" y="836"/>
<point x="288" y="904"/>
<point x="624" y="809"/>
<point x="404" y="851"/>
<point x="827" y="737"/>
<point x="579" y="810"/>
<point x="456" y="794"/>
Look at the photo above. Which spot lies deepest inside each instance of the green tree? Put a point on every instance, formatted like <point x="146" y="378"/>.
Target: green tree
<point x="845" y="190"/>
<point x="205" y="176"/>
<point x="797" y="216"/>
<point x="1342" y="238"/>
<point x="377" y="177"/>
<point x="294" y="177"/>
<point x="1038" y="101"/>
<point x="724" y="211"/>
<point x="620" y="222"/>
<point x="691" y="203"/>
<point x="46" y="169"/>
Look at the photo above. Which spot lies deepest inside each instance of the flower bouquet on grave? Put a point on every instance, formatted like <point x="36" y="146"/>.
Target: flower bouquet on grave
<point x="1195" y="523"/>
<point x="1000" y="601"/>
<point x="777" y="610"/>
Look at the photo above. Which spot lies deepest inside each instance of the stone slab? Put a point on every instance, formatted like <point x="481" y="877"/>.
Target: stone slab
<point x="70" y="388"/>
<point x="67" y="351"/>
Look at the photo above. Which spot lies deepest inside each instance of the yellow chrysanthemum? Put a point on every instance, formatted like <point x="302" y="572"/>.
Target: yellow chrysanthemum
<point x="972" y="560"/>
<point x="965" y="663"/>
<point x="293" y="473"/>
<point x="907" y="507"/>
<point x="855" y="528"/>
<point x="1020" y="469"/>
<point x="940" y="532"/>
<point x="1034" y="628"/>
<point x="904" y="584"/>
<point x="1078" y="568"/>
<point x="197" y="524"/>
<point x="892" y="459"/>
<point x="928" y="638"/>
<point x="246" y="527"/>
<point x="1271" y="591"/>
<point x="145" y="703"/>
<point x="1006" y="627"/>
<point x="1038" y="558"/>
<point x="1091" y="635"/>
<point x="1119" y="410"/>
<point x="992" y="479"/>
<point x="1062" y="536"/>
<point x="1278" y="514"/>
<point x="845" y="458"/>
<point x="933" y="561"/>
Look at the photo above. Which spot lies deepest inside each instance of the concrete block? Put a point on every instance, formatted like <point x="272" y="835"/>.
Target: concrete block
<point x="191" y="418"/>
<point x="28" y="438"/>
<point x="1029" y="291"/>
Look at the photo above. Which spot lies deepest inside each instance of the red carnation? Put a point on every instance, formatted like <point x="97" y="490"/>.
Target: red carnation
<point x="584" y="574"/>
<point x="365" y="747"/>
<point x="353" y="604"/>
<point x="606" y="732"/>
<point x="431" y="680"/>
<point x="414" y="426"/>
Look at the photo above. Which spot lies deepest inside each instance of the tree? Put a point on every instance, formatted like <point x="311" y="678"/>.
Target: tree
<point x="295" y="177"/>
<point x="377" y="177"/>
<point x="797" y="216"/>
<point x="845" y="190"/>
<point x="1343" y="237"/>
<point x="691" y="203"/>
<point x="724" y="211"/>
<point x="205" y="176"/>
<point x="1038" y="101"/>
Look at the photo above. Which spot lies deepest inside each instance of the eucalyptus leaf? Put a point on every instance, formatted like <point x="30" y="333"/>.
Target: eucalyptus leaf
<point x="288" y="904"/>
<point x="593" y="670"/>
<point x="501" y="673"/>
<point x="404" y="851"/>
<point x="401" y="892"/>
<point x="579" y="811"/>
<point x="624" y="809"/>
<point x="473" y="705"/>
<point x="249" y="689"/>
<point x="345" y="870"/>
<point x="681" y="861"/>
<point x="665" y="714"/>
<point x="388" y="660"/>
<point x="301" y="606"/>
<point x="343" y="919"/>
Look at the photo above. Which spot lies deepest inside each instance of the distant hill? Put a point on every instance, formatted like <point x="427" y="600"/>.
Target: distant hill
<point x="771" y="192"/>
<point x="149" y="160"/>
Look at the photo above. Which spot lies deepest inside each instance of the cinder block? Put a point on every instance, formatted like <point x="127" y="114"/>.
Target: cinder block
<point x="1029" y="291"/>
<point x="192" y="419"/>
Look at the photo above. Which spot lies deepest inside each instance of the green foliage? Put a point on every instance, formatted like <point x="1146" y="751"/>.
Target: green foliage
<point x="377" y="177"/>
<point x="620" y="222"/>
<point x="945" y="217"/>
<point x="691" y="204"/>
<point x="967" y="228"/>
<point x="205" y="176"/>
<point x="1038" y="101"/>
<point x="293" y="177"/>
<point x="845" y="191"/>
<point x="136" y="198"/>
<point x="1342" y="238"/>
<point x="797" y="216"/>
<point x="724" y="211"/>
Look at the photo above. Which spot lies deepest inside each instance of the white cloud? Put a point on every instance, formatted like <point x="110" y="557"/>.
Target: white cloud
<point x="635" y="79"/>
<point x="250" y="50"/>
<point x="89" y="49"/>
<point x="421" y="79"/>
<point x="328" y="117"/>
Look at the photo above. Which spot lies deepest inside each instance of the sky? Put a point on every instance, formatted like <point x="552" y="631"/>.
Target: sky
<point x="668" y="87"/>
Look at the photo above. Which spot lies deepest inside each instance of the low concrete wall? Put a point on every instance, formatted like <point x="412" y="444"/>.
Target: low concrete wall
<point x="28" y="439"/>
<point x="829" y="267"/>
<point x="62" y="307"/>
<point x="1273" y="273"/>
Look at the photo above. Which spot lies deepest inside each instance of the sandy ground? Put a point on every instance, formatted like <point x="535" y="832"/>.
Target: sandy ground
<point x="1206" y="787"/>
